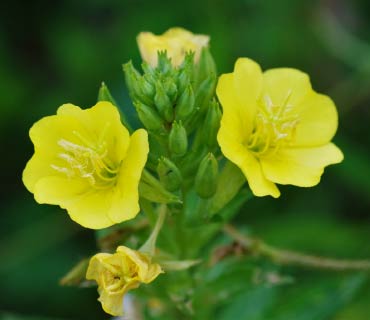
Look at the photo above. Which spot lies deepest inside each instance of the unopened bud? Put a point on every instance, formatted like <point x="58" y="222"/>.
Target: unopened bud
<point x="171" y="89"/>
<point x="205" y="92"/>
<point x="105" y="95"/>
<point x="183" y="80"/>
<point x="211" y="124"/>
<point x="148" y="117"/>
<point x="206" y="178"/>
<point x="177" y="139"/>
<point x="185" y="104"/>
<point x="164" y="63"/>
<point x="134" y="85"/>
<point x="206" y="66"/>
<point x="169" y="174"/>
<point x="146" y="87"/>
<point x="163" y="103"/>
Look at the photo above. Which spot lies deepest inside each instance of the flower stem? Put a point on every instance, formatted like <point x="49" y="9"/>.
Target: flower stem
<point x="149" y="245"/>
<point x="288" y="257"/>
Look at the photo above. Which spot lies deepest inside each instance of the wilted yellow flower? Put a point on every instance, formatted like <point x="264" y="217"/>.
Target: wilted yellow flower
<point x="176" y="41"/>
<point x="86" y="162"/>
<point x="275" y="127"/>
<point x="118" y="273"/>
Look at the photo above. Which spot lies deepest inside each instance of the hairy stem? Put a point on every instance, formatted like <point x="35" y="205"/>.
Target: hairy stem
<point x="289" y="257"/>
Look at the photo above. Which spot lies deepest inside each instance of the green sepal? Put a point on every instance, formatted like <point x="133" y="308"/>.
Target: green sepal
<point x="211" y="124"/>
<point x="149" y="117"/>
<point x="76" y="276"/>
<point x="230" y="181"/>
<point x="151" y="189"/>
<point x="105" y="95"/>
<point x="169" y="174"/>
<point x="205" y="66"/>
<point x="185" y="104"/>
<point x="177" y="139"/>
<point x="207" y="176"/>
<point x="163" y="102"/>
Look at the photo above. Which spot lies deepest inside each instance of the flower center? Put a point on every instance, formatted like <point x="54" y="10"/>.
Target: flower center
<point x="115" y="279"/>
<point x="88" y="160"/>
<point x="274" y="126"/>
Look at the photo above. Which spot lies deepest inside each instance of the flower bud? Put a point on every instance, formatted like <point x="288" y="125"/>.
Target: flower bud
<point x="163" y="102"/>
<point x="183" y="80"/>
<point x="177" y="139"/>
<point x="205" y="67"/>
<point x="104" y="95"/>
<point x="171" y="89"/>
<point x="185" y="104"/>
<point x="148" y="117"/>
<point x="211" y="124"/>
<point x="206" y="178"/>
<point x="146" y="87"/>
<point x="134" y="85"/>
<point x="164" y="62"/>
<point x="169" y="174"/>
<point x="205" y="92"/>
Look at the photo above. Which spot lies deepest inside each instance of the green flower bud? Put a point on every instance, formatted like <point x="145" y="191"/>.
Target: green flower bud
<point x="133" y="82"/>
<point x="163" y="102"/>
<point x="148" y="117"/>
<point x="169" y="174"/>
<point x="185" y="104"/>
<point x="148" y="69"/>
<point x="207" y="176"/>
<point x="205" y="92"/>
<point x="164" y="63"/>
<point x="183" y="80"/>
<point x="177" y="139"/>
<point x="171" y="89"/>
<point x="146" y="87"/>
<point x="104" y="95"/>
<point x="211" y="124"/>
<point x="206" y="66"/>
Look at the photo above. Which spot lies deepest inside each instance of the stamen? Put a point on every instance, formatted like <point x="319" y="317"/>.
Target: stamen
<point x="274" y="126"/>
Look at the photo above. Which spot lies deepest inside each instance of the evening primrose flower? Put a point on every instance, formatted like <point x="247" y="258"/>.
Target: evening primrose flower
<point x="176" y="41"/>
<point x="275" y="127"/>
<point x="86" y="162"/>
<point x="118" y="273"/>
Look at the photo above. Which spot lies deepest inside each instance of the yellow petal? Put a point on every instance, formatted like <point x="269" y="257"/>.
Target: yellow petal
<point x="248" y="85"/>
<point x="176" y="41"/>
<point x="95" y="267"/>
<point x="59" y="190"/>
<point x="249" y="165"/>
<point x="318" y="121"/>
<point x="91" y="209"/>
<point x="285" y="86"/>
<point x="125" y="199"/>
<point x="112" y="303"/>
<point x="301" y="167"/>
<point x="101" y="121"/>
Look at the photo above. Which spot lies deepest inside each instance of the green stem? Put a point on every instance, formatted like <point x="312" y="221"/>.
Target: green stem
<point x="288" y="257"/>
<point x="149" y="245"/>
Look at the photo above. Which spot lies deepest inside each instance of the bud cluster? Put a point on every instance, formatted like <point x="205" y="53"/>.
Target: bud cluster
<point x="176" y="105"/>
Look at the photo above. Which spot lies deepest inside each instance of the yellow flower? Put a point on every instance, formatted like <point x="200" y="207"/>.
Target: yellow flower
<point x="275" y="127"/>
<point x="118" y="273"/>
<point x="176" y="41"/>
<point x="86" y="162"/>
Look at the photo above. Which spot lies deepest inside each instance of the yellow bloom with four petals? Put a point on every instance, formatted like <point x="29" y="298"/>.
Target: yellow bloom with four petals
<point x="176" y="41"/>
<point x="118" y="273"/>
<point x="275" y="127"/>
<point x="86" y="162"/>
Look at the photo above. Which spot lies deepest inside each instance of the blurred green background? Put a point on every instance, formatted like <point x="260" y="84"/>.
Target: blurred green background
<point x="59" y="51"/>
